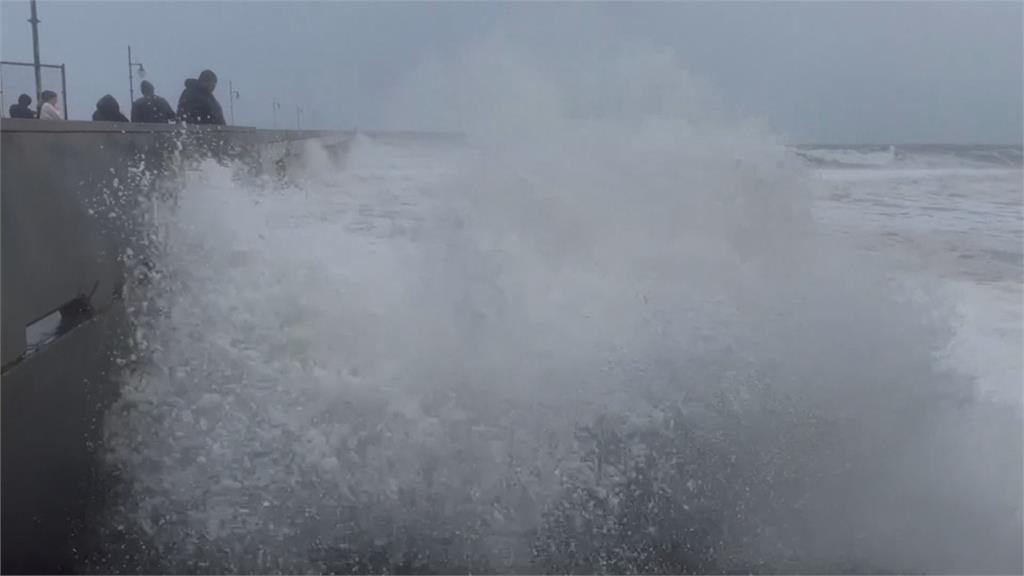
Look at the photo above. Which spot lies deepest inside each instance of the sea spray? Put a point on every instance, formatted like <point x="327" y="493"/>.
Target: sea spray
<point x="600" y="337"/>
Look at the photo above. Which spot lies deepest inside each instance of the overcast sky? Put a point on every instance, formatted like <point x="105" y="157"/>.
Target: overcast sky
<point x="815" y="71"/>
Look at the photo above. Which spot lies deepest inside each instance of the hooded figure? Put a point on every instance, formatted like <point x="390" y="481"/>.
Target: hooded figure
<point x="197" y="104"/>
<point x="23" y="108"/>
<point x="108" y="110"/>
<point x="48" y="109"/>
<point x="151" y="108"/>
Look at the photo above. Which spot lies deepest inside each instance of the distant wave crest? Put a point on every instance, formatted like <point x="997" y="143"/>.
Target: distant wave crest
<point x="912" y="156"/>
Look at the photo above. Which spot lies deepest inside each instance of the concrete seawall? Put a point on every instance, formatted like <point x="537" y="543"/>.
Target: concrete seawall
<point x="72" y="198"/>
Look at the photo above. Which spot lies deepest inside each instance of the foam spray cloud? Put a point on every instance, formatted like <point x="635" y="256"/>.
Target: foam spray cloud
<point x="603" y="335"/>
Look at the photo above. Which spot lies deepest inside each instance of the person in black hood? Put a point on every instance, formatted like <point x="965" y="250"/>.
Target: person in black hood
<point x="23" y="109"/>
<point x="108" y="110"/>
<point x="197" y="104"/>
<point x="151" y="108"/>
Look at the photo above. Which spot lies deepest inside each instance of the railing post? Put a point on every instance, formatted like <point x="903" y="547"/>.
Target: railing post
<point x="64" y="90"/>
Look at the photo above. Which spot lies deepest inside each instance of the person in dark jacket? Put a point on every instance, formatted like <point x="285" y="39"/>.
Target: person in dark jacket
<point x="197" y="104"/>
<point x="108" y="110"/>
<point x="151" y="108"/>
<point x="23" y="109"/>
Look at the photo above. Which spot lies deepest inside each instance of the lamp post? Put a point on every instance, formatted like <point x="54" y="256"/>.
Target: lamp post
<point x="131" y="76"/>
<point x="273" y="112"/>
<point x="298" y="118"/>
<point x="34" y="20"/>
<point x="232" y="96"/>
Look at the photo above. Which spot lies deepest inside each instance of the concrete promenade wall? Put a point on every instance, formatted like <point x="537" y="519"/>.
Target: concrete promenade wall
<point x="71" y="194"/>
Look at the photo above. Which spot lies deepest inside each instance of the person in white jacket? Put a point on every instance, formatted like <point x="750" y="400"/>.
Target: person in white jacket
<point x="49" y="110"/>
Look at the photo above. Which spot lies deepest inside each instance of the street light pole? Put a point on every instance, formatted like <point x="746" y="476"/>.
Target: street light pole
<point x="35" y="52"/>
<point x="273" y="112"/>
<point x="131" y="77"/>
<point x="232" y="96"/>
<point x="298" y="118"/>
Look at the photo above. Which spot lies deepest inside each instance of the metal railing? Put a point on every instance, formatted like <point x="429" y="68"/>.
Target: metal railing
<point x="63" y="83"/>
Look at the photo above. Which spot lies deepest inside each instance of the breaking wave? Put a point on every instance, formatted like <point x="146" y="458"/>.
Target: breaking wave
<point x="920" y="156"/>
<point x="603" y="335"/>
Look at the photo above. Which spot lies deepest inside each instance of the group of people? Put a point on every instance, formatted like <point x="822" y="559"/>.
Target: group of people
<point x="196" y="105"/>
<point x="47" y="110"/>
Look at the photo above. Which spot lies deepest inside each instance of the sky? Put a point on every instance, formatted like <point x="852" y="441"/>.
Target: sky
<point x="822" y="72"/>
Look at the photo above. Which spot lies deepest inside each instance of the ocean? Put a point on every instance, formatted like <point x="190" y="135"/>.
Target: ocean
<point x="947" y="215"/>
<point x="583" y="353"/>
